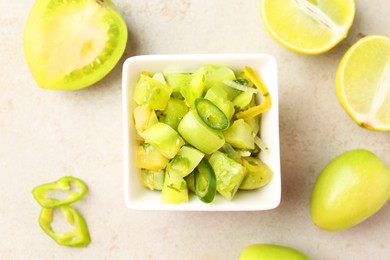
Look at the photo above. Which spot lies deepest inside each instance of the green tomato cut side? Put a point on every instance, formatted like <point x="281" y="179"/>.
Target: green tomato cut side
<point x="216" y="74"/>
<point x="258" y="174"/>
<point x="152" y="93"/>
<point x="194" y="89"/>
<point x="229" y="174"/>
<point x="189" y="156"/>
<point x="153" y="180"/>
<point x="240" y="135"/>
<point x="174" y="190"/>
<point x="174" y="112"/>
<point x="164" y="138"/>
<point x="71" y="45"/>
<point x="148" y="157"/>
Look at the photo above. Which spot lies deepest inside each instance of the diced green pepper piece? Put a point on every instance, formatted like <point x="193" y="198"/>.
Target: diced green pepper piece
<point x="186" y="160"/>
<point x="151" y="93"/>
<point x="229" y="174"/>
<point x="258" y="174"/>
<point x="78" y="238"/>
<point x="174" y="112"/>
<point x="240" y="135"/>
<point x="205" y="182"/>
<point x="219" y="97"/>
<point x="211" y="115"/>
<point x="175" y="189"/>
<point x="164" y="138"/>
<point x="76" y="188"/>
<point x="152" y="179"/>
<point x="198" y="134"/>
<point x="195" y="88"/>
<point x="148" y="157"/>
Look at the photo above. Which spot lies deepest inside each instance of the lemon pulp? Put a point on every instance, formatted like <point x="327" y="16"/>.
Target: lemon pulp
<point x="363" y="82"/>
<point x="309" y="27"/>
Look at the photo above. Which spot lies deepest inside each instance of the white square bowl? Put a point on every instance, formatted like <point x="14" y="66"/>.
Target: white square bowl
<point x="141" y="198"/>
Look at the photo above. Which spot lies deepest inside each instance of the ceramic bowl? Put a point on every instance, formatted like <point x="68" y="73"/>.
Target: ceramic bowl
<point x="141" y="198"/>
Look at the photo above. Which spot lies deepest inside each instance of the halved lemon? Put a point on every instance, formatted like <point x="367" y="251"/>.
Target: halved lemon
<point x="307" y="26"/>
<point x="363" y="82"/>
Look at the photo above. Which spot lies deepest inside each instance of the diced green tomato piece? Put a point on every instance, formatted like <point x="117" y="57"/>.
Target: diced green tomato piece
<point x="198" y="134"/>
<point x="229" y="174"/>
<point x="177" y="81"/>
<point x="211" y="115"/>
<point x="254" y="123"/>
<point x="164" y="138"/>
<point x="231" y="92"/>
<point x="153" y="180"/>
<point x="219" y="97"/>
<point x="229" y="150"/>
<point x="159" y="77"/>
<point x="243" y="100"/>
<point x="192" y="158"/>
<point x="218" y="91"/>
<point x="190" y="181"/>
<point x="175" y="189"/>
<point x="151" y="93"/>
<point x="239" y="134"/>
<point x="174" y="112"/>
<point x="215" y="74"/>
<point x="195" y="88"/>
<point x="258" y="174"/>
<point x="147" y="157"/>
<point x="205" y="182"/>
<point x="144" y="117"/>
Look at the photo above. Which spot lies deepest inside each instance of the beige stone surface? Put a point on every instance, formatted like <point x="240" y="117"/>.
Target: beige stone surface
<point x="45" y="135"/>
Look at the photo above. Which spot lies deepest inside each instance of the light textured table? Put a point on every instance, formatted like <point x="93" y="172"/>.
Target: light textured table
<point x="45" y="135"/>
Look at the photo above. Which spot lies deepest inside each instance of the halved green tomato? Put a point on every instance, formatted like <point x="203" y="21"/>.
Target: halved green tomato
<point x="205" y="182"/>
<point x="73" y="44"/>
<point x="213" y="117"/>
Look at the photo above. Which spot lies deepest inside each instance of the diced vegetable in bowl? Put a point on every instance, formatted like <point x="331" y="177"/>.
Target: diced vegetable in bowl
<point x="201" y="132"/>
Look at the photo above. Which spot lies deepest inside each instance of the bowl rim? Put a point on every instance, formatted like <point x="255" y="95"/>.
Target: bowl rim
<point x="134" y="64"/>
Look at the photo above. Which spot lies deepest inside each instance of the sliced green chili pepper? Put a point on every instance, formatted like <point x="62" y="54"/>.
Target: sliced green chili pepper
<point x="266" y="104"/>
<point x="213" y="117"/>
<point x="205" y="182"/>
<point x="78" y="238"/>
<point x="63" y="184"/>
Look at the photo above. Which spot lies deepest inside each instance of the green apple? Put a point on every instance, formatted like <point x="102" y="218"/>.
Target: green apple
<point x="350" y="189"/>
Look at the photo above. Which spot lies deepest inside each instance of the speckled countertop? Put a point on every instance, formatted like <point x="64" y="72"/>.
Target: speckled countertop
<point x="45" y="135"/>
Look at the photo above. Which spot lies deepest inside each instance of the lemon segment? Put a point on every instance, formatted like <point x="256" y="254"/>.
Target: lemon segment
<point x="307" y="26"/>
<point x="363" y="82"/>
